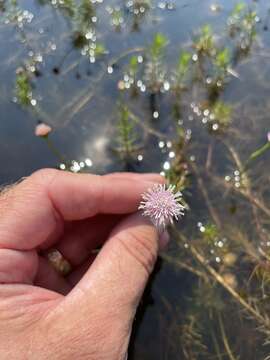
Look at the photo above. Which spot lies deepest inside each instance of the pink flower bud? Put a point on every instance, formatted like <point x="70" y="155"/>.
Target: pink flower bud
<point x="42" y="130"/>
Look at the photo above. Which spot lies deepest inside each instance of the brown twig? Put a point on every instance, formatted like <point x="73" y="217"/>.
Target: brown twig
<point x="201" y="260"/>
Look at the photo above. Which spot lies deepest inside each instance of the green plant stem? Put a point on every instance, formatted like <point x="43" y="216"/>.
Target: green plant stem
<point x="225" y="339"/>
<point x="259" y="152"/>
<point x="217" y="349"/>
<point x="54" y="150"/>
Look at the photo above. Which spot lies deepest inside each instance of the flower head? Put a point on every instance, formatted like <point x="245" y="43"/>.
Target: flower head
<point x="268" y="136"/>
<point x="162" y="205"/>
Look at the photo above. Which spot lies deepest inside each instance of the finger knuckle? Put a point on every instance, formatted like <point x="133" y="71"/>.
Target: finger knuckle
<point x="45" y="175"/>
<point x="142" y="246"/>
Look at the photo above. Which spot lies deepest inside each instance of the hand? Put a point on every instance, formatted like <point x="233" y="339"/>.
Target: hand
<point x="89" y="313"/>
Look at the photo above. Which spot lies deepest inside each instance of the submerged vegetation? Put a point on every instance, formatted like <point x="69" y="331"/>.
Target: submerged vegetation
<point x="187" y="108"/>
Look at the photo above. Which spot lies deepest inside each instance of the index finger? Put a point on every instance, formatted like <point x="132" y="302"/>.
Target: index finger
<point x="35" y="210"/>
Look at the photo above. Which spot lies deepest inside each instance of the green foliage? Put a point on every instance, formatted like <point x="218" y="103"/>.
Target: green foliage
<point x="126" y="135"/>
<point x="192" y="341"/>
<point x="138" y="9"/>
<point x="242" y="25"/>
<point x="158" y="45"/>
<point x="117" y="17"/>
<point x="249" y="23"/>
<point x="133" y="65"/>
<point x="100" y="50"/>
<point x="204" y="42"/>
<point x="179" y="76"/>
<point x="183" y="63"/>
<point x="178" y="172"/>
<point x="23" y="87"/>
<point x="213" y="241"/>
<point x="222" y="114"/>
<point x="210" y="233"/>
<point x="256" y="155"/>
<point x="154" y="73"/>
<point x="68" y="6"/>
<point x="137" y="4"/>
<point x="222" y="59"/>
<point x="238" y="9"/>
<point x="84" y="13"/>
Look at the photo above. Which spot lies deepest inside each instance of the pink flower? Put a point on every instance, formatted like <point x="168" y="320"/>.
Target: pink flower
<point x="162" y="205"/>
<point x="42" y="130"/>
<point x="268" y="136"/>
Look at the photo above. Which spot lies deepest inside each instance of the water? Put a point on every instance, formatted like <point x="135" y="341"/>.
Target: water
<point x="181" y="316"/>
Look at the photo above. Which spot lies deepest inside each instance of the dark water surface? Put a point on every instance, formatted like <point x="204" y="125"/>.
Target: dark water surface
<point x="78" y="99"/>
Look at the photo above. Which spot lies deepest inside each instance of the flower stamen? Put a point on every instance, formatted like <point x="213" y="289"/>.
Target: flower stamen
<point x="162" y="205"/>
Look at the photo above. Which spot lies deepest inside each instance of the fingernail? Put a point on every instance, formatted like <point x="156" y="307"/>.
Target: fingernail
<point x="164" y="239"/>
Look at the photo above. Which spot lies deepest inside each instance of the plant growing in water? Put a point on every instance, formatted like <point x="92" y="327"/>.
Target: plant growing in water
<point x="179" y="77"/>
<point x="138" y="9"/>
<point x="126" y="137"/>
<point x="242" y="27"/>
<point x="203" y="43"/>
<point x="24" y="88"/>
<point x="154" y="73"/>
<point x="220" y="116"/>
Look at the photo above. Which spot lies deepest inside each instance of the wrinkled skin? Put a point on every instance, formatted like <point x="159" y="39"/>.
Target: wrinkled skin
<point x="89" y="313"/>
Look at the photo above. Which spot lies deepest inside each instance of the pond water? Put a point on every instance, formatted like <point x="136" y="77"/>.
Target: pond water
<point x="108" y="78"/>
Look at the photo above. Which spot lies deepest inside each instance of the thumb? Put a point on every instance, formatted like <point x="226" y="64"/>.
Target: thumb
<point x="102" y="306"/>
<point x="115" y="282"/>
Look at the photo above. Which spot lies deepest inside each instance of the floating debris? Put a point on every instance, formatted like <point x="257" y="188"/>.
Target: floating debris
<point x="43" y="130"/>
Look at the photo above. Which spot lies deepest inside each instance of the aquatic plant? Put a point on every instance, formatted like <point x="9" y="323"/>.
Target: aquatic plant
<point x="222" y="64"/>
<point x="178" y="172"/>
<point x="23" y="88"/>
<point x="67" y="6"/>
<point x="213" y="241"/>
<point x="85" y="15"/>
<point x="126" y="136"/>
<point x="138" y="9"/>
<point x="117" y="17"/>
<point x="130" y="78"/>
<point x="257" y="153"/>
<point x="180" y="75"/>
<point x="154" y="73"/>
<point x="203" y="43"/>
<point x="17" y="16"/>
<point x="191" y="338"/>
<point x="219" y="117"/>
<point x="242" y="27"/>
